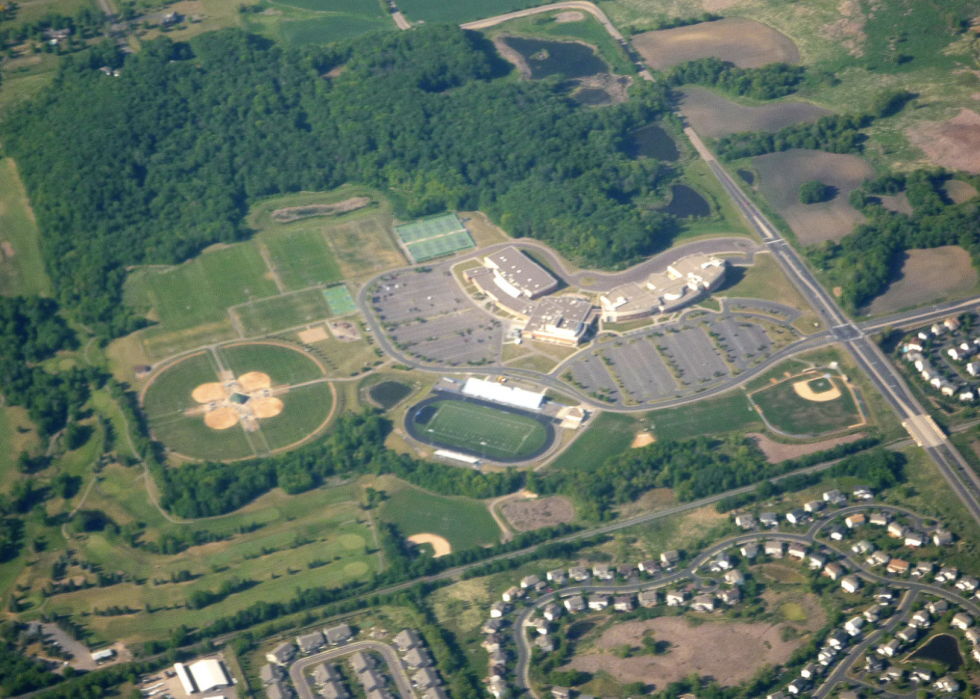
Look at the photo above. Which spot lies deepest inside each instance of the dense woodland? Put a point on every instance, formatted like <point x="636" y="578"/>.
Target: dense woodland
<point x="155" y="165"/>
<point x="765" y="83"/>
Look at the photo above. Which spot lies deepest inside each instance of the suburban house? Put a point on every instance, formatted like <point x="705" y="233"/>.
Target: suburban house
<point x="897" y="566"/>
<point x="498" y="609"/>
<point x="878" y="558"/>
<point x="850" y="583"/>
<point x="854" y="521"/>
<point x="361" y="662"/>
<point x="750" y="550"/>
<point x="862" y="547"/>
<point x="735" y="577"/>
<point x="556" y="576"/>
<point x="598" y="602"/>
<point x="941" y="537"/>
<point x="675" y="598"/>
<point x="647" y="598"/>
<point x="817" y="561"/>
<point x="862" y="492"/>
<point x="603" y="572"/>
<point x="853" y="626"/>
<point x="529" y="581"/>
<point x="730" y="597"/>
<point x="769" y="519"/>
<point x="281" y="654"/>
<point x="797" y="551"/>
<point x="962" y="621"/>
<point x="833" y="571"/>
<point x="773" y="548"/>
<point x="575" y="604"/>
<point x="418" y="658"/>
<point x="648" y="567"/>
<point x="513" y="594"/>
<point x="745" y="521"/>
<point x="896" y="530"/>
<point x="579" y="573"/>
<point x="703" y="603"/>
<point x="552" y="612"/>
<point x="623" y="603"/>
<point x="668" y="559"/>
<point x="336" y="635"/>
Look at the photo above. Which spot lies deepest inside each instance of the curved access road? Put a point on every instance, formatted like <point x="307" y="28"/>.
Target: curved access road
<point x="395" y="668"/>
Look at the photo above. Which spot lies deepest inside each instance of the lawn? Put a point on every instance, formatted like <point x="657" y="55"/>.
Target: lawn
<point x="170" y="392"/>
<point x="610" y="434"/>
<point x="728" y="413"/>
<point x="280" y="313"/>
<point x="303" y="259"/>
<point x="480" y="429"/>
<point x="23" y="272"/>
<point x="464" y="522"/>
<point x="765" y="280"/>
<point x="365" y="8"/>
<point x="792" y="414"/>
<point x="459" y="12"/>
<point x="304" y="411"/>
<point x="284" y="365"/>
<point x="327" y="30"/>
<point x="190" y="437"/>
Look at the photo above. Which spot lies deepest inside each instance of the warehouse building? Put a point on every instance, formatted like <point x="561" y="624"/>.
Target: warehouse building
<point x="562" y="320"/>
<point x="202" y="676"/>
<point x="684" y="282"/>
<point x="516" y="275"/>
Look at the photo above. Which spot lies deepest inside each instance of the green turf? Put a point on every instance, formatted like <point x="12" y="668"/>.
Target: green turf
<point x="279" y="313"/>
<point x="191" y="437"/>
<point x="339" y="299"/>
<point x="439" y="247"/>
<point x="327" y="30"/>
<point x="22" y="274"/>
<point x="170" y="392"/>
<point x="727" y="413"/>
<point x="303" y="259"/>
<point x="464" y="522"/>
<point x="788" y="412"/>
<point x="429" y="228"/>
<point x="609" y="434"/>
<point x="456" y="11"/>
<point x="283" y="364"/>
<point x="484" y="430"/>
<point x="304" y="410"/>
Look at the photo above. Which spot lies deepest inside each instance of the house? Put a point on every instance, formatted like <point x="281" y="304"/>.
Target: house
<point x="561" y="692"/>
<point x="922" y="674"/>
<point x="947" y="574"/>
<point x="750" y="550"/>
<point x="834" y="571"/>
<point x="529" y="581"/>
<point x="418" y="658"/>
<point x="893" y="674"/>
<point x="703" y="603"/>
<point x="578" y="573"/>
<point x="908" y="634"/>
<point x="492" y="626"/>
<point x="872" y="664"/>
<point x="826" y="656"/>
<point x="834" y="497"/>
<point x="773" y="548"/>
<point x="878" y="558"/>
<point x="370" y="680"/>
<point x="836" y="533"/>
<point x="333" y="690"/>
<point x="512" y="594"/>
<point x="769" y="519"/>
<point x="967" y="396"/>
<point x="647" y="598"/>
<point x="853" y="626"/>
<point x="602" y="571"/>
<point x="796" y="516"/>
<point x="598" y="602"/>
<point x="552" y="612"/>
<point x="361" y="662"/>
<point x="937" y="607"/>
<point x="973" y="368"/>
<point x="545" y="643"/>
<point x="897" y="566"/>
<point x="498" y="609"/>
<point x="952" y="324"/>
<point x="871" y="614"/>
<point x="324" y="673"/>
<point x="675" y="598"/>
<point x="498" y="688"/>
<point x="923" y="335"/>
<point x="962" y="621"/>
<point x="808" y="671"/>
<point x="730" y="597"/>
<point x="722" y="562"/>
<point x="972" y="635"/>
<point x="625" y="571"/>
<point x="556" y="576"/>
<point x="921" y="619"/>
<point x="277" y="690"/>
<point x="668" y="559"/>
<point x="492" y="642"/>
<point x="337" y="635"/>
<point x="896" y="530"/>
<point x="879" y="519"/>
<point x="862" y="492"/>
<point x="735" y="578"/>
<point x="575" y="604"/>
<point x="817" y="561"/>
<point x="745" y="521"/>
<point x="623" y="603"/>
<point x="890" y="649"/>
<point x="281" y="654"/>
<point x="648" y="567"/>
<point x="967" y="583"/>
<point x="862" y="547"/>
<point x="797" y="686"/>
<point x="961" y="352"/>
<point x="797" y="551"/>
<point x="850" y="583"/>
<point x="941" y="537"/>
<point x="938" y="329"/>
<point x="922" y="569"/>
<point x="542" y="627"/>
<point x="884" y="594"/>
<point x="838" y="639"/>
<point x="854" y="521"/>
<point x="975" y="654"/>
<point x="813" y="506"/>
<point x="271" y="673"/>
<point x="947" y="684"/>
<point x="406" y="639"/>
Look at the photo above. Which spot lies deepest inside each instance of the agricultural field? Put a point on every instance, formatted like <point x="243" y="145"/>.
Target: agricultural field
<point x="21" y="267"/>
<point x="744" y="42"/>
<point x="459" y="12"/>
<point x="925" y="277"/>
<point x="328" y="30"/>
<point x="828" y="406"/>
<point x="715" y="116"/>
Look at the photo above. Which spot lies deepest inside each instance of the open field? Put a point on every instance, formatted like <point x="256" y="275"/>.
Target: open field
<point x="327" y="30"/>
<point x="926" y="277"/>
<point x="459" y="12"/>
<point x="169" y="393"/>
<point x="789" y="412"/>
<point x="528" y="515"/>
<point x="744" y="42"/>
<point x="714" y="116"/>
<point x="608" y="434"/>
<point x="953" y="143"/>
<point x="765" y="280"/>
<point x="778" y="451"/>
<point x="285" y="365"/>
<point x="727" y="413"/>
<point x="464" y="522"/>
<point x="782" y="174"/>
<point x="278" y="313"/>
<point x="305" y="410"/>
<point x="302" y="259"/>
<point x="21" y="267"/>
<point x="959" y="191"/>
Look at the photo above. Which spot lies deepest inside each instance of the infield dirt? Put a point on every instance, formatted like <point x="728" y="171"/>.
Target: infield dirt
<point x="439" y="544"/>
<point x="744" y="42"/>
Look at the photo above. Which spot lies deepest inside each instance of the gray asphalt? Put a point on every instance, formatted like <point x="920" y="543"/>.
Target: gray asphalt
<point x="395" y="669"/>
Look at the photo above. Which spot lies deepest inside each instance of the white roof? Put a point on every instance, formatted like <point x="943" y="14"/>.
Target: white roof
<point x="498" y="393"/>
<point x="209" y="674"/>
<point x="185" y="678"/>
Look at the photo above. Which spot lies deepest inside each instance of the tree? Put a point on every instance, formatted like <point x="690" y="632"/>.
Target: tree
<point x="814" y="192"/>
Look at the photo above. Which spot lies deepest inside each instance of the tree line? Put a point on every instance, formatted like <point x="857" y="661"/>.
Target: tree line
<point x="764" y="83"/>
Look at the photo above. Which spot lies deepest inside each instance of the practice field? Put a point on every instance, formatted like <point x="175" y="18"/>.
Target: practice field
<point x="339" y="300"/>
<point x="303" y="259"/>
<point x="609" y="434"/>
<point x="282" y="312"/>
<point x="790" y="412"/>
<point x="479" y="429"/>
<point x="464" y="522"/>
<point x="744" y="42"/>
<point x="714" y="116"/>
<point x="284" y="365"/>
<point x="169" y="393"/>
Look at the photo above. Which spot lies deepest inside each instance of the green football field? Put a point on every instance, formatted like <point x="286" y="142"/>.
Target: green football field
<point x="482" y="430"/>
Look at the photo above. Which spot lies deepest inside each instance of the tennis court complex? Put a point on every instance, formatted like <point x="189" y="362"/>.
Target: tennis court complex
<point x="479" y="429"/>
<point x="434" y="237"/>
<point x="339" y="300"/>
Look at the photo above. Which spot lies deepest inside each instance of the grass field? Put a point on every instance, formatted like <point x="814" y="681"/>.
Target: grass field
<point x="303" y="259"/>
<point x="339" y="300"/>
<point x="429" y="228"/>
<point x="366" y="8"/>
<point x="459" y="12"/>
<point x="727" y="413"/>
<point x="481" y="429"/>
<point x="715" y="116"/>
<point x="284" y="365"/>
<point x="464" y="522"/>
<point x="279" y="313"/>
<point x="304" y="410"/>
<point x="170" y="391"/>
<point x="610" y="434"/>
<point x="788" y="412"/>
<point x="190" y="437"/>
<point x="327" y="30"/>
<point x="23" y="273"/>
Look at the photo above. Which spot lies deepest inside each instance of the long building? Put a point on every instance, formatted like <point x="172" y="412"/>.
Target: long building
<point x="516" y="275"/>
<point x="684" y="282"/>
<point x="562" y="320"/>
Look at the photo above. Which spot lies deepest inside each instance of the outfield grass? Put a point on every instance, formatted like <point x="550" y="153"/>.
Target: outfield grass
<point x="190" y="437"/>
<point x="610" y="434"/>
<point x="170" y="392"/>
<point x="327" y="30"/>
<point x="481" y="429"/>
<point x="303" y="259"/>
<point x="788" y="412"/>
<point x="283" y="364"/>
<point x="279" y="313"/>
<point x="304" y="410"/>
<point x="727" y="413"/>
<point x="22" y="274"/>
<point x="464" y="522"/>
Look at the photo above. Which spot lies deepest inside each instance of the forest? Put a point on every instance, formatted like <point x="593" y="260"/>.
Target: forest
<point x="155" y="165"/>
<point x="765" y="83"/>
<point x="834" y="134"/>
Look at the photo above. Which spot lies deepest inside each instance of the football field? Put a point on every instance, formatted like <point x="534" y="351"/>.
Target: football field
<point x="480" y="429"/>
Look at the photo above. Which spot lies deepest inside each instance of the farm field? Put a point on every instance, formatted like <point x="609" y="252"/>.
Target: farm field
<point x="927" y="276"/>
<point x="21" y="267"/>
<point x="278" y="313"/>
<point x="608" y="435"/>
<point x="459" y="12"/>
<point x="327" y="30"/>
<point x="782" y="174"/>
<point x="715" y="116"/>
<point x="791" y="413"/>
<point x="744" y="42"/>
<point x="727" y="413"/>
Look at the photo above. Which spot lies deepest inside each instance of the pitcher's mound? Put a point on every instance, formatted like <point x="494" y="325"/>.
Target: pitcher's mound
<point x="221" y="419"/>
<point x="439" y="544"/>
<point x="806" y="392"/>
<point x="209" y="393"/>
<point x="254" y="381"/>
<point x="266" y="407"/>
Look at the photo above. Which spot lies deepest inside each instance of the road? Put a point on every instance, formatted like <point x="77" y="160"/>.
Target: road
<point x="395" y="668"/>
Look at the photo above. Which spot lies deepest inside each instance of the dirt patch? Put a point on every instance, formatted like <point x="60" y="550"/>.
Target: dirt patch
<point x="209" y="393"/>
<point x="776" y="451"/>
<point x="6" y="249"/>
<point x="898" y="203"/>
<point x="528" y="515"/>
<point x="265" y="407"/>
<point x="744" y="42"/>
<point x="714" y="116"/>
<point x="221" y="418"/>
<point x="957" y="190"/>
<point x="439" y="544"/>
<point x="568" y="17"/>
<point x="603" y="89"/>
<point x="730" y="653"/>
<point x="317" y="334"/>
<point x="927" y="276"/>
<point x="805" y="391"/>
<point x="954" y="143"/>
<point x="848" y="31"/>
<point x="344" y="331"/>
<point x="642" y="439"/>
<point x="297" y="213"/>
<point x="782" y="174"/>
<point x="254" y="381"/>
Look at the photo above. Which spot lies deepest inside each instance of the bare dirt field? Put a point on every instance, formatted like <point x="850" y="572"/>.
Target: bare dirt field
<point x="959" y="191"/>
<point x="528" y="515"/>
<point x="300" y="212"/>
<point x="714" y="116"/>
<point x="567" y="17"/>
<point x="777" y="451"/>
<point x="317" y="334"/>
<point x="730" y="653"/>
<point x="439" y="544"/>
<point x="927" y="276"/>
<point x="744" y="42"/>
<point x="954" y="143"/>
<point x="898" y="203"/>
<point x="782" y="174"/>
<point x="642" y="439"/>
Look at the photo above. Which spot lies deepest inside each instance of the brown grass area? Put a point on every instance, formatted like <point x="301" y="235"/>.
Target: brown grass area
<point x="714" y="116"/>
<point x="927" y="276"/>
<point x="777" y="451"/>
<point x="782" y="174"/>
<point x="898" y="203"/>
<point x="954" y="143"/>
<point x="848" y="31"/>
<point x="528" y="515"/>
<point x="295" y="213"/>
<point x="744" y="42"/>
<point x="806" y="604"/>
<point x="729" y="653"/>
<point x="959" y="191"/>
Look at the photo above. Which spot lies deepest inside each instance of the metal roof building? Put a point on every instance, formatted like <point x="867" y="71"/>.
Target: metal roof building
<point x="507" y="395"/>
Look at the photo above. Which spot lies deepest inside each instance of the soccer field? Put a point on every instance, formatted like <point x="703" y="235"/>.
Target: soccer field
<point x="480" y="429"/>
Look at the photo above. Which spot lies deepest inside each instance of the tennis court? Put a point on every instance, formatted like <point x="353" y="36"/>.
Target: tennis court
<point x="438" y="247"/>
<point x="480" y="429"/>
<point x="429" y="228"/>
<point x="339" y="300"/>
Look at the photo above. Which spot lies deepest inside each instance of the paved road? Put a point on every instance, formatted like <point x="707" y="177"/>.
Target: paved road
<point x="395" y="668"/>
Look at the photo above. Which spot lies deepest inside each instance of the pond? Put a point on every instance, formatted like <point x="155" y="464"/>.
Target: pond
<point x="686" y="202"/>
<point x="653" y="142"/>
<point x="942" y="648"/>
<point x="389" y="393"/>
<point x="566" y="58"/>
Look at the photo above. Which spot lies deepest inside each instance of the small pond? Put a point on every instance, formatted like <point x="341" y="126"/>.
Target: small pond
<point x="389" y="393"/>
<point x="653" y="142"/>
<point x="686" y="202"/>
<point x="566" y="58"/>
<point x="942" y="648"/>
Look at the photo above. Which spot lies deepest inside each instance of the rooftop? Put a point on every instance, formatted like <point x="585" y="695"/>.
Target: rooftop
<point x="516" y="274"/>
